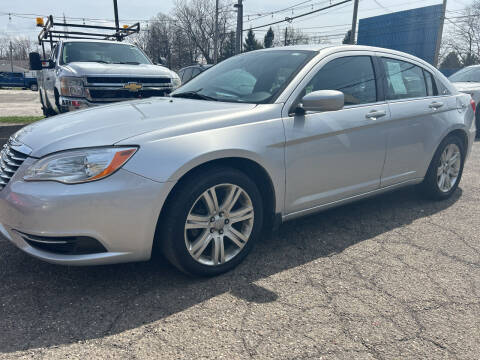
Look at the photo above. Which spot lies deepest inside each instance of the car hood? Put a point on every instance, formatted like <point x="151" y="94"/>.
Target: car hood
<point x="110" y="124"/>
<point x="95" y="69"/>
<point x="467" y="86"/>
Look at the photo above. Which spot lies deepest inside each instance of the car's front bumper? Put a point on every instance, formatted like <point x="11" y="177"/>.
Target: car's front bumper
<point x="120" y="212"/>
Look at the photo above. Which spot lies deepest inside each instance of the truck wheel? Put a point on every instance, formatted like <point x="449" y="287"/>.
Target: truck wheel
<point x="34" y="87"/>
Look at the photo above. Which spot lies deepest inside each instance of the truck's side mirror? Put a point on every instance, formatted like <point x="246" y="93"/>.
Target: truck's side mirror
<point x="35" y="61"/>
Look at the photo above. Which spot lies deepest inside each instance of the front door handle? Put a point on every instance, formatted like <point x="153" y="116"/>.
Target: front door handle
<point x="435" y="105"/>
<point x="375" y="114"/>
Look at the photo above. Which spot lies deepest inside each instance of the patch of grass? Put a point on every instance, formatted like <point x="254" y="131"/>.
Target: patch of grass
<point x="20" y="119"/>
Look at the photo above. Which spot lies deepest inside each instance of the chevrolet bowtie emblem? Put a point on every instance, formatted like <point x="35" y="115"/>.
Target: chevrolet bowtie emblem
<point x="131" y="86"/>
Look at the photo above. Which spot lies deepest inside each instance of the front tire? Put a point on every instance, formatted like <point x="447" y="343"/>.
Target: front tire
<point x="34" y="87"/>
<point x="212" y="222"/>
<point x="446" y="168"/>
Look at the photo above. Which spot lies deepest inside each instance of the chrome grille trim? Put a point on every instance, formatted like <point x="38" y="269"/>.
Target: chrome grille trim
<point x="12" y="156"/>
<point x="115" y="84"/>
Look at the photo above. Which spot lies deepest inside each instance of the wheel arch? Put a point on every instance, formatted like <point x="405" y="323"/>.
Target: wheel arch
<point x="256" y="172"/>
<point x="462" y="135"/>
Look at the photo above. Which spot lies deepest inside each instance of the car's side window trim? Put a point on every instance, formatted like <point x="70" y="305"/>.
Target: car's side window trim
<point x="324" y="61"/>
<point x="434" y="84"/>
<point x="380" y="78"/>
<point x="385" y="56"/>
<point x="416" y="63"/>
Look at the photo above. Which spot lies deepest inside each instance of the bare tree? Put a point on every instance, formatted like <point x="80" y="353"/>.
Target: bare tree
<point x="196" y="19"/>
<point x="21" y="47"/>
<point x="464" y="35"/>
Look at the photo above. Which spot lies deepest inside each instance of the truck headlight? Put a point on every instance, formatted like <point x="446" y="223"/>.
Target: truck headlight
<point x="72" y="86"/>
<point x="176" y="82"/>
<point x="79" y="166"/>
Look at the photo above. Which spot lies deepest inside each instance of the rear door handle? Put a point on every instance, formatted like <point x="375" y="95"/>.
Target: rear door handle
<point x="375" y="114"/>
<point x="435" y="105"/>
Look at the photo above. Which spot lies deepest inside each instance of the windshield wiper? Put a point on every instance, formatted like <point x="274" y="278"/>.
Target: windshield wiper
<point x="194" y="95"/>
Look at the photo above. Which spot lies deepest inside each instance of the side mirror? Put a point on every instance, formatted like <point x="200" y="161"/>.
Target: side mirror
<point x="35" y="61"/>
<point x="323" y="100"/>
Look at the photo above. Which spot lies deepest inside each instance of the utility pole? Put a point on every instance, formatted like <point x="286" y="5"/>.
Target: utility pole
<point x="215" y="40"/>
<point x="239" y="34"/>
<point x="354" y="22"/>
<point x="440" y="34"/>
<point x="285" y="42"/>
<point x="117" y="25"/>
<point x="11" y="56"/>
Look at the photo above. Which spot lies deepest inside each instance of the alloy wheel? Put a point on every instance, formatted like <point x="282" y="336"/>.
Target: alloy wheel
<point x="449" y="168"/>
<point x="219" y="224"/>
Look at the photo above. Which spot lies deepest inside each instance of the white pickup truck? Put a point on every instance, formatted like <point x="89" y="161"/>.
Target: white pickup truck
<point x="85" y="73"/>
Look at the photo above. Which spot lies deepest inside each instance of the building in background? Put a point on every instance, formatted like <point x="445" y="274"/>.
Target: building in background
<point x="412" y="31"/>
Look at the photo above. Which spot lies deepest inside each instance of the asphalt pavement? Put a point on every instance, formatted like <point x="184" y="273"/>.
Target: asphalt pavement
<point x="393" y="277"/>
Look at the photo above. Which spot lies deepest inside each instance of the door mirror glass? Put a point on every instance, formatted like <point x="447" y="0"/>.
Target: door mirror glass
<point x="35" y="62"/>
<point x="323" y="100"/>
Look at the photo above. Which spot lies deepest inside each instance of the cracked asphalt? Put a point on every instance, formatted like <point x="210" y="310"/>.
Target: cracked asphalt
<point x="393" y="277"/>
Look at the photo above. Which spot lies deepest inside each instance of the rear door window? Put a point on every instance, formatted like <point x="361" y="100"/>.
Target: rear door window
<point x="404" y="80"/>
<point x="187" y="75"/>
<point x="195" y="72"/>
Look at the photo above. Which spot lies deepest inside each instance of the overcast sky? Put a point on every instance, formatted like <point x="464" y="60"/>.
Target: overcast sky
<point x="332" y="22"/>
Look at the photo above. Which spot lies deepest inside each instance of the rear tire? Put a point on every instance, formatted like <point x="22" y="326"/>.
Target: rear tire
<point x="445" y="170"/>
<point x="191" y="219"/>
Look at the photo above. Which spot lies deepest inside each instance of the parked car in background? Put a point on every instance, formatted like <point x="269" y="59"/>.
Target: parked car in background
<point x="200" y="174"/>
<point x="189" y="72"/>
<point x="18" y="79"/>
<point x="86" y="73"/>
<point x="467" y="80"/>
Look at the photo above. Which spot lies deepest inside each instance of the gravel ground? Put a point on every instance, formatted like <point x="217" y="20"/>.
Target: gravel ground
<point x="20" y="103"/>
<point x="394" y="277"/>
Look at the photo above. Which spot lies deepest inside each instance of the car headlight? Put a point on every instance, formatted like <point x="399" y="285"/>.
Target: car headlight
<point x="176" y="82"/>
<point x="79" y="166"/>
<point x="72" y="86"/>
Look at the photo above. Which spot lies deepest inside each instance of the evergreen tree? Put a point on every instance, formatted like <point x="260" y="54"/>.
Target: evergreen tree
<point x="228" y="48"/>
<point x="269" y="37"/>
<point x="451" y="61"/>
<point x="250" y="42"/>
<point x="348" y="36"/>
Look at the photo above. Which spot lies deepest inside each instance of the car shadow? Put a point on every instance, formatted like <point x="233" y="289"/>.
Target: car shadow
<point x="43" y="305"/>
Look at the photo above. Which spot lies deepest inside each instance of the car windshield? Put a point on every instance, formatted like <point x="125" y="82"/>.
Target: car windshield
<point x="255" y="77"/>
<point x="109" y="53"/>
<point x="469" y="74"/>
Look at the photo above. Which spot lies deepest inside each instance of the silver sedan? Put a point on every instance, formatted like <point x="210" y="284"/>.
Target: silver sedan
<point x="258" y="139"/>
<point x="467" y="80"/>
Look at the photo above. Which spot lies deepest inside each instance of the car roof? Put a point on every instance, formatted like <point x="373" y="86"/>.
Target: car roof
<point x="340" y="48"/>
<point x="205" y="66"/>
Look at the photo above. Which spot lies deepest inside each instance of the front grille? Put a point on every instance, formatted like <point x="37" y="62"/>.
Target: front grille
<point x="100" y="95"/>
<point x="66" y="245"/>
<point x="126" y="80"/>
<point x="10" y="161"/>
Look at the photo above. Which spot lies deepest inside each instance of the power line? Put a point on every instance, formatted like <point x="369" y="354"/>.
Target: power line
<point x="289" y="19"/>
